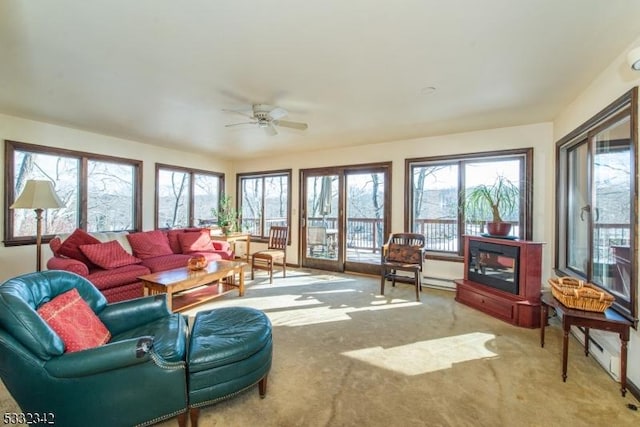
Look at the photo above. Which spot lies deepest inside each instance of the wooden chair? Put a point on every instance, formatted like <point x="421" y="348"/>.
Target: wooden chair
<point x="402" y="252"/>
<point x="276" y="252"/>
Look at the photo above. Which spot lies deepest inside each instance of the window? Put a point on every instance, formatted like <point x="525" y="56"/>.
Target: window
<point x="100" y="193"/>
<point x="186" y="197"/>
<point x="265" y="200"/>
<point x="438" y="185"/>
<point x="597" y="206"/>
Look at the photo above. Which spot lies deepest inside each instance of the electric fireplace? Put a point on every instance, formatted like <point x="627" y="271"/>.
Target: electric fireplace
<point x="502" y="277"/>
<point x="493" y="265"/>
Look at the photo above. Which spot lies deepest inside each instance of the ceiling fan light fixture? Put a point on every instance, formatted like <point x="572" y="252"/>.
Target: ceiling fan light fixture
<point x="267" y="117"/>
<point x="633" y="58"/>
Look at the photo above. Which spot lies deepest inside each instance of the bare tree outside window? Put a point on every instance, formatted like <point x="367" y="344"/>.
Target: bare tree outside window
<point x="99" y="193"/>
<point x="186" y="197"/>
<point x="365" y="210"/>
<point x="206" y="196"/>
<point x="63" y="173"/>
<point x="111" y="204"/>
<point x="251" y="205"/>
<point x="264" y="201"/>
<point x="438" y="186"/>
<point x="173" y="199"/>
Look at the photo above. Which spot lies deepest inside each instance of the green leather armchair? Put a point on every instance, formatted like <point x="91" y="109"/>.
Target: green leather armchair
<point x="137" y="378"/>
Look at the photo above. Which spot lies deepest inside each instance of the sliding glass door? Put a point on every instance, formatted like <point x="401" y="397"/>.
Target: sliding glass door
<point x="345" y="216"/>
<point x="320" y="223"/>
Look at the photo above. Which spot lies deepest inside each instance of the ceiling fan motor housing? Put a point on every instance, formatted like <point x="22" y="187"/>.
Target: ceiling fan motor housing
<point x="261" y="115"/>
<point x="267" y="117"/>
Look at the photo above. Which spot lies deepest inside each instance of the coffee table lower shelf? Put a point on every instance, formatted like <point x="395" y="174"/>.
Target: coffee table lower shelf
<point x="188" y="299"/>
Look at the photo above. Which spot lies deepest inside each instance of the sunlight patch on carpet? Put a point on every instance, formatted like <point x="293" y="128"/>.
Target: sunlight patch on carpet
<point x="312" y="312"/>
<point x="312" y="307"/>
<point x="427" y="356"/>
<point x="302" y="299"/>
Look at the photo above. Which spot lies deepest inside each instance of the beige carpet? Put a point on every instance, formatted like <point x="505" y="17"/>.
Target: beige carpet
<point x="346" y="356"/>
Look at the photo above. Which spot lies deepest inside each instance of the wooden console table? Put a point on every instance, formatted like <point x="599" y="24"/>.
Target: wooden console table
<point x="607" y="321"/>
<point x="237" y="237"/>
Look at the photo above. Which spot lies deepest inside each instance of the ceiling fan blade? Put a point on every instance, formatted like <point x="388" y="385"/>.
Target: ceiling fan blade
<point x="242" y="113"/>
<point x="278" y="113"/>
<point x="238" y="124"/>
<point x="270" y="130"/>
<point x="292" y="125"/>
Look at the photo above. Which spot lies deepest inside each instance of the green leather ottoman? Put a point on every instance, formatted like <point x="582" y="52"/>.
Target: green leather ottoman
<point x="230" y="351"/>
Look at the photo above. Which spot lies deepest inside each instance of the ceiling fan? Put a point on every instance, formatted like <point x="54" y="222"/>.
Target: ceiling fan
<point x="267" y="117"/>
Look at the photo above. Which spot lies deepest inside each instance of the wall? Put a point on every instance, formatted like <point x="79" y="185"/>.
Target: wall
<point x="538" y="136"/>
<point x="21" y="259"/>
<point x="614" y="81"/>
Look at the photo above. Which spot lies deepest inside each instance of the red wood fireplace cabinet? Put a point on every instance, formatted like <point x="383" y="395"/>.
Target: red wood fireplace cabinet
<point x="502" y="277"/>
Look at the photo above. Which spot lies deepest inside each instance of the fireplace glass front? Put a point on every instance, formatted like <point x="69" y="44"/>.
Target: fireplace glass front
<point x="494" y="265"/>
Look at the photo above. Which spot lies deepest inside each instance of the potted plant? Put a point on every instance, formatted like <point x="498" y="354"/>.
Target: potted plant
<point x="495" y="201"/>
<point x="227" y="214"/>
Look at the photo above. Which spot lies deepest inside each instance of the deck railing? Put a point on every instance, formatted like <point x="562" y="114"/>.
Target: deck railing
<point x="441" y="234"/>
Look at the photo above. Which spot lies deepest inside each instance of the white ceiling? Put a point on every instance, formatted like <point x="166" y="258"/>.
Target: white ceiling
<point x="161" y="71"/>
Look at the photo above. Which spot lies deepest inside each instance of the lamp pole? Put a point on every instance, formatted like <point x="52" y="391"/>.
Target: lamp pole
<point x="39" y="239"/>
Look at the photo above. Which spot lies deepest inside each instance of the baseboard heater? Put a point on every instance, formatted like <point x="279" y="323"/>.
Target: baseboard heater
<point x="604" y="348"/>
<point x="429" y="282"/>
<point x="438" y="283"/>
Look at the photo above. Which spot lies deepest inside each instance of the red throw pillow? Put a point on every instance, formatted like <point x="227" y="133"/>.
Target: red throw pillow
<point x="71" y="246"/>
<point x="109" y="255"/>
<point x="195" y="242"/>
<point x="149" y="244"/>
<point x="74" y="322"/>
<point x="174" y="243"/>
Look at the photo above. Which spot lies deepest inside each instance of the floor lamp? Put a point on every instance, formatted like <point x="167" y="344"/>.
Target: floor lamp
<point x="38" y="195"/>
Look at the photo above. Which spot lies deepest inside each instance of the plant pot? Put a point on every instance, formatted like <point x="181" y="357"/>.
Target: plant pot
<point x="498" y="228"/>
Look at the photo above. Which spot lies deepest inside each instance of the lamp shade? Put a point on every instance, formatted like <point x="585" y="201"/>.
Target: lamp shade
<point x="37" y="194"/>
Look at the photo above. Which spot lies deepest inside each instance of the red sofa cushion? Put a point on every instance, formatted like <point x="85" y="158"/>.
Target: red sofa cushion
<point x="71" y="246"/>
<point x="147" y="244"/>
<point x="195" y="242"/>
<point x="172" y="236"/>
<point x="166" y="262"/>
<point x="109" y="255"/>
<point x="68" y="264"/>
<point x="106" y="279"/>
<point x="124" y="292"/>
<point x="74" y="322"/>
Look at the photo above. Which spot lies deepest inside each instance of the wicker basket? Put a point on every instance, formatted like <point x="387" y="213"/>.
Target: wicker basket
<point x="575" y="293"/>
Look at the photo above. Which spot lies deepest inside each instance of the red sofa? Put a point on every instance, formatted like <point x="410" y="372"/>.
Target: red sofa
<point x="113" y="261"/>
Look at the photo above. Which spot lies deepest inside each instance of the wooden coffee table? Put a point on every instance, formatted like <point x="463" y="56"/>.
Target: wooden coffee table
<point x="186" y="288"/>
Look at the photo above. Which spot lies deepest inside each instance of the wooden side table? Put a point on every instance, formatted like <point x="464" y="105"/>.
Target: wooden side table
<point x="607" y="321"/>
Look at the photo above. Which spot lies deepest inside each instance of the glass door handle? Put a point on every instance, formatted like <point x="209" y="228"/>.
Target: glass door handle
<point x="585" y="208"/>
